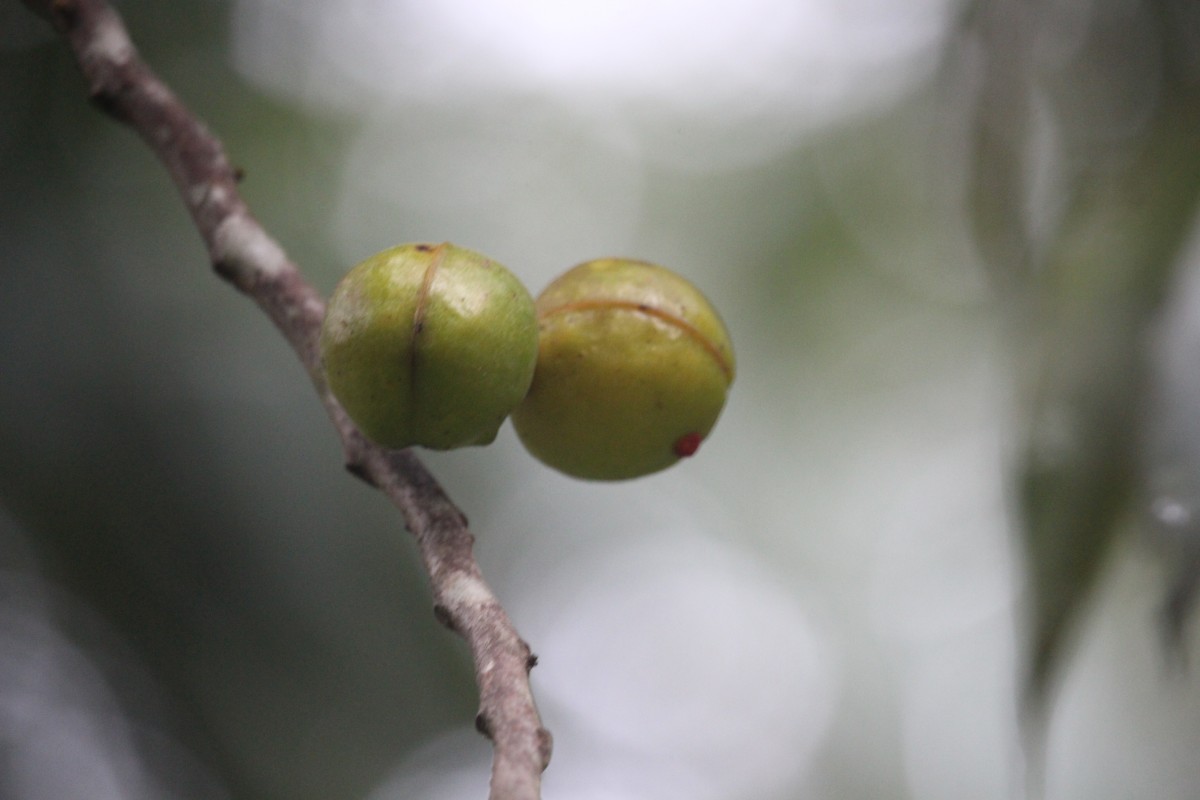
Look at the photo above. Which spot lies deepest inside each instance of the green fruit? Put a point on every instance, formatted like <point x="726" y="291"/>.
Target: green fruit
<point x="429" y="344"/>
<point x="633" y="368"/>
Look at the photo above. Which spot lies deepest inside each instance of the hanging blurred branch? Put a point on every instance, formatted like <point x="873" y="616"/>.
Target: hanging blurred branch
<point x="1119" y="114"/>
<point x="124" y="87"/>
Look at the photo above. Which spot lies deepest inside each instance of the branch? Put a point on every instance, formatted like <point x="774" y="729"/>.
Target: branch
<point x="123" y="86"/>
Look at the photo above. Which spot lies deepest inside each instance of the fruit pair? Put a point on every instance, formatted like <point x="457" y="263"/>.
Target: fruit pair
<point x="619" y="370"/>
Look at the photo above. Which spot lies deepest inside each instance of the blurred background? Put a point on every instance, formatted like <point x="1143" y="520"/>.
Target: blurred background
<point x="942" y="543"/>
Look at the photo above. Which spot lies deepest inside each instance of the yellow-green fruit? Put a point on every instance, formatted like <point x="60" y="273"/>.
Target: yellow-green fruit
<point x="633" y="368"/>
<point x="429" y="344"/>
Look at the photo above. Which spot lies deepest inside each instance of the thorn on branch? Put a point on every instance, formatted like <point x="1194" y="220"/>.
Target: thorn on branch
<point x="227" y="271"/>
<point x="107" y="94"/>
<point x="359" y="470"/>
<point x="443" y="615"/>
<point x="483" y="725"/>
<point x="545" y="746"/>
<point x="103" y="99"/>
<point x="64" y="12"/>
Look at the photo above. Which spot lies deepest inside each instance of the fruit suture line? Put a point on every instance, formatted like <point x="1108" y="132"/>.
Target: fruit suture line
<point x="439" y="253"/>
<point x="418" y="325"/>
<point x="642" y="308"/>
<point x="123" y="86"/>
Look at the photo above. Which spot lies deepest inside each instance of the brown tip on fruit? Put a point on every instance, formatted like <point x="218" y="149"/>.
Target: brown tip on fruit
<point x="688" y="444"/>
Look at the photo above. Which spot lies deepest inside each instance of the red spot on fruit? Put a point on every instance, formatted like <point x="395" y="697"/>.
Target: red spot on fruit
<point x="688" y="444"/>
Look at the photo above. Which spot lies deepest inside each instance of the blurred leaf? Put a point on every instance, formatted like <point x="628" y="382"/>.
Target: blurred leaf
<point x="1000" y="128"/>
<point x="1081" y="306"/>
